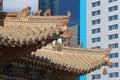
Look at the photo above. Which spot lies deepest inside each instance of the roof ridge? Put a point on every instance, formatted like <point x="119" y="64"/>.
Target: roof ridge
<point x="79" y="50"/>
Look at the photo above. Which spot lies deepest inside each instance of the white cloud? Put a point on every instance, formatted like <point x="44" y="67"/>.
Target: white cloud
<point x="18" y="5"/>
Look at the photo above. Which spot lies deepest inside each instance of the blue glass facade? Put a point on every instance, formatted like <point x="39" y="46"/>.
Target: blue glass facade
<point x="49" y="4"/>
<point x="73" y="6"/>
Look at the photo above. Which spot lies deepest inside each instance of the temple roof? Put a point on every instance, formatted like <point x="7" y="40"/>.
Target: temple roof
<point x="19" y="36"/>
<point x="31" y="30"/>
<point x="22" y="32"/>
<point x="75" y="60"/>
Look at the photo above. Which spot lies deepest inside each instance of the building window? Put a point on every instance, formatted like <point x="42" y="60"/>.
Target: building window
<point x="97" y="76"/>
<point x="112" y="1"/>
<point x="113" y="36"/>
<point x="94" y="4"/>
<point x="113" y="8"/>
<point x="113" y="55"/>
<point x="115" y="74"/>
<point x="114" y="17"/>
<point x="115" y="45"/>
<point x="97" y="30"/>
<point x="113" y="27"/>
<point x="94" y="13"/>
<point x="114" y="65"/>
<point x="97" y="21"/>
<point x="98" y="68"/>
<point x="97" y="39"/>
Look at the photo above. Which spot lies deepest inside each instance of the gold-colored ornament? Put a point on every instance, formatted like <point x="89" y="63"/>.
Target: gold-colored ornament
<point x="104" y="71"/>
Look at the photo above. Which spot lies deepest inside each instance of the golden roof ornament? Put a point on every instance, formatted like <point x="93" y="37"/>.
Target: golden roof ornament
<point x="104" y="71"/>
<point x="111" y="46"/>
<point x="68" y="13"/>
<point x="80" y="45"/>
<point x="26" y="11"/>
<point x="109" y="63"/>
<point x="96" y="47"/>
<point x="37" y="13"/>
<point x="47" y="12"/>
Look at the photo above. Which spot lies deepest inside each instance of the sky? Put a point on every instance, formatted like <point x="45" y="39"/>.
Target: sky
<point x="73" y="6"/>
<point x="18" y="5"/>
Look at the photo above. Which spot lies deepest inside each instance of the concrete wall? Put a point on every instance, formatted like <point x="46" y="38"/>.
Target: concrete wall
<point x="103" y="34"/>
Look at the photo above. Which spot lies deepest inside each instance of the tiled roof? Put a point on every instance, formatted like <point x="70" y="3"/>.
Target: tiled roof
<point x="75" y="60"/>
<point x="31" y="30"/>
<point x="22" y="32"/>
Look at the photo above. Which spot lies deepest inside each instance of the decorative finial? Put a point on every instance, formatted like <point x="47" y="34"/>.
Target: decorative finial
<point x="109" y="64"/>
<point x="67" y="34"/>
<point x="65" y="43"/>
<point x="104" y="71"/>
<point x="25" y="11"/>
<point x="96" y="47"/>
<point x="48" y="12"/>
<point x="111" y="46"/>
<point x="80" y="45"/>
<point x="38" y="13"/>
<point x="68" y="13"/>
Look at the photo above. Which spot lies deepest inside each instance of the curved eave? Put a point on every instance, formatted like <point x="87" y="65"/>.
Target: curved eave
<point x="81" y="61"/>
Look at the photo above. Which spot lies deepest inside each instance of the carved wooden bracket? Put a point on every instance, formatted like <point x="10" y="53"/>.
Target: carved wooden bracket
<point x="96" y="47"/>
<point x="104" y="71"/>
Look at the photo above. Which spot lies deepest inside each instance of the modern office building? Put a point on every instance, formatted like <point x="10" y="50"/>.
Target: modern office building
<point x="49" y="4"/>
<point x="102" y="30"/>
<point x="74" y="40"/>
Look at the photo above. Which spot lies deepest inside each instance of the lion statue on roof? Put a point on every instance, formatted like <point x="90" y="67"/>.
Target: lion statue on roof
<point x="47" y="12"/>
<point x="25" y="11"/>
